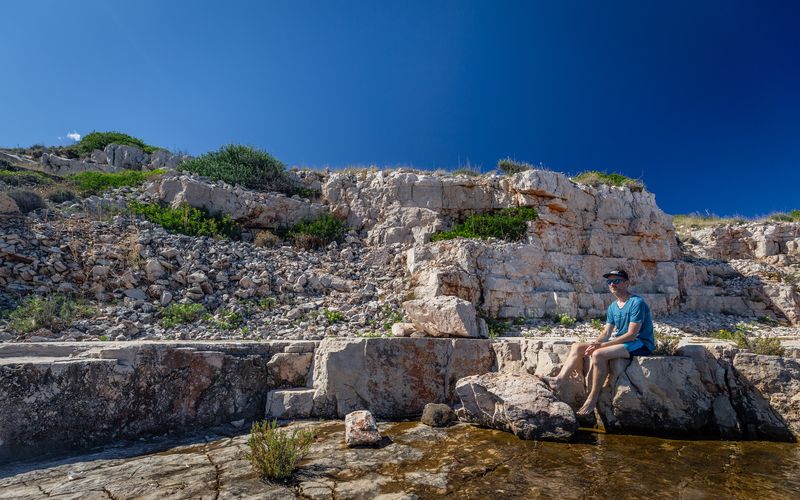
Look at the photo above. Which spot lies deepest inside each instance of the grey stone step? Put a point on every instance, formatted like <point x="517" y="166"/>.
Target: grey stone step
<point x="290" y="403"/>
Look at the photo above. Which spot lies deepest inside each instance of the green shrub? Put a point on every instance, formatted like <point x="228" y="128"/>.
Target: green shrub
<point x="187" y="220"/>
<point x="565" y="319"/>
<point x="595" y="178"/>
<point x="274" y="453"/>
<point x="179" y="314"/>
<point x="245" y="166"/>
<point x="27" y="201"/>
<point x="598" y="323"/>
<point x="665" y="344"/>
<point x="467" y="172"/>
<point x="95" y="182"/>
<point x="497" y="327"/>
<point x="55" y="313"/>
<point x="791" y="216"/>
<point x="333" y="316"/>
<point x="511" y="167"/>
<point x="18" y="178"/>
<point x="226" y="319"/>
<point x="770" y="346"/>
<point x="507" y="224"/>
<point x="267" y="303"/>
<point x="318" y="233"/>
<point x="60" y="195"/>
<point x="99" y="140"/>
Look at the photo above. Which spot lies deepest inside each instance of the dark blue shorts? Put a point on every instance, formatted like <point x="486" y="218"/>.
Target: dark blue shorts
<point x="637" y="348"/>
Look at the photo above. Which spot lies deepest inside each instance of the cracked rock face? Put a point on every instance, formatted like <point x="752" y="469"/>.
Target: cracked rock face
<point x="515" y="402"/>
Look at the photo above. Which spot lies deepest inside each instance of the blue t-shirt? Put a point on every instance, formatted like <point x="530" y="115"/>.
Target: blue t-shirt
<point x="635" y="310"/>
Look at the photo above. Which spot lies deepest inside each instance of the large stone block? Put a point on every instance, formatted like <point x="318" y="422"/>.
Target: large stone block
<point x="515" y="402"/>
<point x="392" y="377"/>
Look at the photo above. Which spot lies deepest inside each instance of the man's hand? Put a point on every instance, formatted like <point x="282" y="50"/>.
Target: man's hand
<point x="592" y="347"/>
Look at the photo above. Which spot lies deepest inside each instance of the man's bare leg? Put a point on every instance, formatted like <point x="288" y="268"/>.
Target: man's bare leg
<point x="600" y="361"/>
<point x="573" y="362"/>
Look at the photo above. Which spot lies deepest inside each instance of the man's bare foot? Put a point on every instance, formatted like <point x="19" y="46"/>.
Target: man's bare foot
<point x="586" y="410"/>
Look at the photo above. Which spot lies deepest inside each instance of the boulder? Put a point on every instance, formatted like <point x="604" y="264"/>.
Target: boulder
<point x="360" y="429"/>
<point x="7" y="204"/>
<point x="515" y="402"/>
<point x="290" y="403"/>
<point x="289" y="369"/>
<point x="444" y="316"/>
<point x="392" y="377"/>
<point x="125" y="157"/>
<point x="663" y="395"/>
<point x="249" y="208"/>
<point x="438" y="415"/>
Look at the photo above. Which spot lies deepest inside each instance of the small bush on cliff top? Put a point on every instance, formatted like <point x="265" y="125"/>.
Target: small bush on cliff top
<point x="507" y="224"/>
<point x="274" y="453"/>
<point x="319" y="232"/>
<point x="187" y="220"/>
<point x="27" y="201"/>
<point x="595" y="178"/>
<point x="791" y="216"/>
<point x="511" y="167"/>
<point x="245" y="166"/>
<point x="18" y="178"/>
<point x="95" y="182"/>
<point x="99" y="140"/>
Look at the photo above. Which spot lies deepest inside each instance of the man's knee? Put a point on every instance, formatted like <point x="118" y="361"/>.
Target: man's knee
<point x="579" y="347"/>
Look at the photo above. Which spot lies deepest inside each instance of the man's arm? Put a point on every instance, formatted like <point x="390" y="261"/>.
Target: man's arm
<point x="597" y="342"/>
<point x="633" y="331"/>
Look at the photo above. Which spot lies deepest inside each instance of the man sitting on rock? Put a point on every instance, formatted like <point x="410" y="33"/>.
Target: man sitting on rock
<point x="630" y="316"/>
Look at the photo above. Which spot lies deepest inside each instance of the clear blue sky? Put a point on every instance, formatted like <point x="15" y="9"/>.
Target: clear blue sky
<point x="701" y="99"/>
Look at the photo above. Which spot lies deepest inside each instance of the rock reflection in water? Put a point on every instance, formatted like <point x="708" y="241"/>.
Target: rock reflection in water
<point x="457" y="462"/>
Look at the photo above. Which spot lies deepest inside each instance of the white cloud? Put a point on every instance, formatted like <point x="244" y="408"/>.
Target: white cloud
<point x="74" y="136"/>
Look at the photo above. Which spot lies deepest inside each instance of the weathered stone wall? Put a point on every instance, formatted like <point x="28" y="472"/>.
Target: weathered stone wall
<point x="62" y="397"/>
<point x="59" y="397"/>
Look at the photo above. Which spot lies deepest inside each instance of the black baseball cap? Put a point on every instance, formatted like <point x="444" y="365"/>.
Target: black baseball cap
<point x="616" y="272"/>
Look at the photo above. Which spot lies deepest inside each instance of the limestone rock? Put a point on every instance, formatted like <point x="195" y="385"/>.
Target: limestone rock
<point x="289" y="369"/>
<point x="444" y="316"/>
<point x="249" y="208"/>
<point x="403" y="329"/>
<point x="392" y="377"/>
<point x="290" y="403"/>
<point x="663" y="393"/>
<point x="125" y="157"/>
<point x="7" y="204"/>
<point x="360" y="429"/>
<point x="438" y="415"/>
<point x="517" y="403"/>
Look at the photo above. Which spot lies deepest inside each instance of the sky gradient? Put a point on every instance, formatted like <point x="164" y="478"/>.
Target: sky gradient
<point x="701" y="100"/>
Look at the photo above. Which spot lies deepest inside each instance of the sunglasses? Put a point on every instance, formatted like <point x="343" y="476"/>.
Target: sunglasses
<point x="616" y="281"/>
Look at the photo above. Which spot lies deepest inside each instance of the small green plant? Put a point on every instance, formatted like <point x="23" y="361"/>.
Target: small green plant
<point x="760" y="345"/>
<point x="274" y="453"/>
<point x="95" y="182"/>
<point x="665" y="344"/>
<point x="507" y="224"/>
<point x="55" y="313"/>
<point x="565" y="319"/>
<point x="597" y="323"/>
<point x="267" y="303"/>
<point x="319" y="232"/>
<point x="596" y="178"/>
<point x="103" y="338"/>
<point x="497" y="327"/>
<point x="392" y="316"/>
<point x="333" y="316"/>
<point x="467" y="172"/>
<point x="511" y="167"/>
<point x="187" y="220"/>
<point x="99" y="140"/>
<point x="178" y="314"/>
<point x="226" y="319"/>
<point x="245" y="166"/>
<point x="520" y="320"/>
